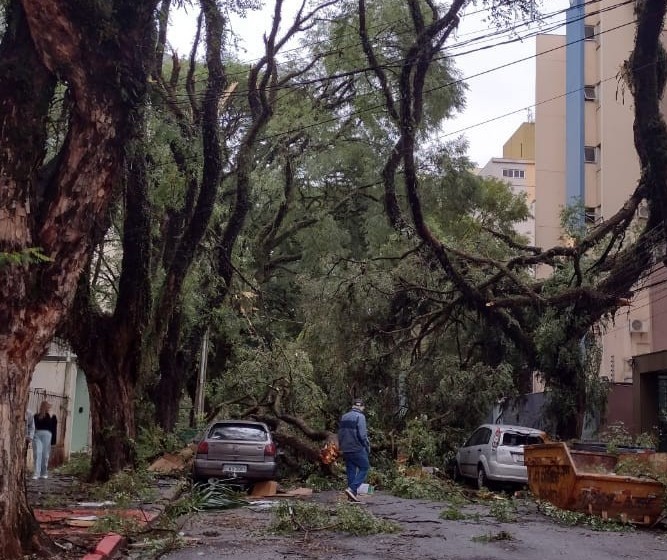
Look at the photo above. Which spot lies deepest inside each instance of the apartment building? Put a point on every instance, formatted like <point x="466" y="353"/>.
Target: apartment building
<point x="584" y="152"/>
<point x="517" y="168"/>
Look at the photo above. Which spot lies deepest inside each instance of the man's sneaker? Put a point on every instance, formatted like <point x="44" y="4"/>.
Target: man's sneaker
<point x="45" y="476"/>
<point x="351" y="496"/>
<point x="35" y="477"/>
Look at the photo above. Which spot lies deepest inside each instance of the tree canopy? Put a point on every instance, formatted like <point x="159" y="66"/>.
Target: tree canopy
<point x="302" y="211"/>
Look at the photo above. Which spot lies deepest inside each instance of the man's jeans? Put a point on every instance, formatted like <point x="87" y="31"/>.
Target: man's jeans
<point x="356" y="467"/>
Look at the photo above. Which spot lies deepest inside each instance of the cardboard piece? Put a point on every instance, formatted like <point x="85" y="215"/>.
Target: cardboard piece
<point x="264" y="488"/>
<point x="166" y="464"/>
<point x="269" y="489"/>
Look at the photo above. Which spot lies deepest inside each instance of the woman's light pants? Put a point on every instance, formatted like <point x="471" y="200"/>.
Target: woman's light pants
<point x="41" y="450"/>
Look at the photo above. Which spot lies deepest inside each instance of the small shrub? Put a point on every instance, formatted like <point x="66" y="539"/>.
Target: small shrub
<point x="617" y="435"/>
<point x="452" y="513"/>
<point x="504" y="510"/>
<point x="126" y="487"/>
<point x="78" y="466"/>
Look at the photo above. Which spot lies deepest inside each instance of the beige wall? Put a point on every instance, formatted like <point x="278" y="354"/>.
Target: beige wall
<point x="614" y="177"/>
<point x="521" y="145"/>
<point x="549" y="139"/>
<point x="619" y="167"/>
<point x="494" y="168"/>
<point x="609" y="181"/>
<point x="56" y="374"/>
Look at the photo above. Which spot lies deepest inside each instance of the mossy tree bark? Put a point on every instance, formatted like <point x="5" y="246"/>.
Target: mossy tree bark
<point x="49" y="220"/>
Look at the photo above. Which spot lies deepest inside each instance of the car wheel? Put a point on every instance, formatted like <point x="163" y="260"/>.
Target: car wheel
<point x="482" y="480"/>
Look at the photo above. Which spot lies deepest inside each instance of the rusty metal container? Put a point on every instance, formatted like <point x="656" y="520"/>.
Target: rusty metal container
<point x="584" y="481"/>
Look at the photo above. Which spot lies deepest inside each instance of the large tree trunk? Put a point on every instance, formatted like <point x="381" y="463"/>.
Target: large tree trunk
<point x="173" y="376"/>
<point x="110" y="347"/>
<point x="112" y="422"/>
<point x="46" y="229"/>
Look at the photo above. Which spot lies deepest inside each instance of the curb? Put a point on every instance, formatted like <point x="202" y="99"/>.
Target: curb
<point x="113" y="543"/>
<point x="106" y="548"/>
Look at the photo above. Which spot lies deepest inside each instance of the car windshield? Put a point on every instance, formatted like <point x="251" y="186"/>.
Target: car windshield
<point x="238" y="432"/>
<point x="515" y="439"/>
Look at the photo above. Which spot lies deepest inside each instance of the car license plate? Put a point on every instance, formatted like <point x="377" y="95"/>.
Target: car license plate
<point x="236" y="469"/>
<point x="518" y="458"/>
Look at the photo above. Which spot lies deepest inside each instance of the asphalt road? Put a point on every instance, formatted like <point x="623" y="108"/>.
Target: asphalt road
<point x="241" y="534"/>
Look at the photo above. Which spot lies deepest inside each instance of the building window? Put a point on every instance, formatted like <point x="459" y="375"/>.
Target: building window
<point x="590" y="93"/>
<point x="514" y="173"/>
<point x="593" y="214"/>
<point x="589" y="32"/>
<point x="590" y="154"/>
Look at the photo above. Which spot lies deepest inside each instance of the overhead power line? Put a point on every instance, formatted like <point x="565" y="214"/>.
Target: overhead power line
<point x="397" y="63"/>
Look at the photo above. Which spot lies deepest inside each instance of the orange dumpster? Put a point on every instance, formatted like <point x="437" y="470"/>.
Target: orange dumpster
<point x="584" y="481"/>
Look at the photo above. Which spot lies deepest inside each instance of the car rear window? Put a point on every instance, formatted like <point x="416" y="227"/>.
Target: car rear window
<point x="238" y="432"/>
<point x="515" y="439"/>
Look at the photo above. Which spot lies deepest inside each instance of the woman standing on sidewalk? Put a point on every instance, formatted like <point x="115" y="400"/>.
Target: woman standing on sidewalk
<point x="45" y="436"/>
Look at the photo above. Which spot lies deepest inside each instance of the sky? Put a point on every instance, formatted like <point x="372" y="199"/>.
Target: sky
<point x="501" y="89"/>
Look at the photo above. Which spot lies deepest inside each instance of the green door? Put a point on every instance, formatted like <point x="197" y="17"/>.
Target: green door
<point x="80" y="414"/>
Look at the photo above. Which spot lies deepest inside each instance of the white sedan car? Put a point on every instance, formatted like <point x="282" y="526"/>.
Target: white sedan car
<point x="494" y="453"/>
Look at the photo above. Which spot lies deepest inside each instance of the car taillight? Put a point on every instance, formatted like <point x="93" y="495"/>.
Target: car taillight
<point x="202" y="448"/>
<point x="270" y="449"/>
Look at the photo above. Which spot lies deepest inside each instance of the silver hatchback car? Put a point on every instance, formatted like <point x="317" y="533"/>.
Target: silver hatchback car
<point x="237" y="449"/>
<point x="494" y="453"/>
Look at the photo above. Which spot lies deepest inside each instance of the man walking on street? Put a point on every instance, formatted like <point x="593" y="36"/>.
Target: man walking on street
<point x="355" y="446"/>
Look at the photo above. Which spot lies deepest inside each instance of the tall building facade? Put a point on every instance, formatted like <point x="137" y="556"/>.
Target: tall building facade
<point x="517" y="168"/>
<point x="584" y="154"/>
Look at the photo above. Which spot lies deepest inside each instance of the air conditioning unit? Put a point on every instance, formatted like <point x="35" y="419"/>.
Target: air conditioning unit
<point x="638" y="326"/>
<point x="642" y="211"/>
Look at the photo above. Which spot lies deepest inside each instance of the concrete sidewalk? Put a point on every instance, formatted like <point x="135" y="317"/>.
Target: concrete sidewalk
<point x="66" y="513"/>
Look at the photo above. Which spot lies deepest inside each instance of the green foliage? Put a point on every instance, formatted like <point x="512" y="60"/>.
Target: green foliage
<point x="255" y="369"/>
<point x="290" y="517"/>
<point x="153" y="441"/>
<point x="454" y="513"/>
<point x="77" y="466"/>
<point x="573" y="518"/>
<point x="420" y="443"/>
<point x="630" y="465"/>
<point x="117" y="523"/>
<point x="504" y="510"/>
<point x="30" y="255"/>
<point x="425" y="488"/>
<point x="127" y="487"/>
<point x="214" y="495"/>
<point x="617" y="435"/>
